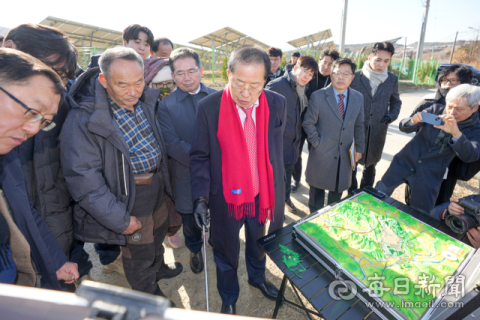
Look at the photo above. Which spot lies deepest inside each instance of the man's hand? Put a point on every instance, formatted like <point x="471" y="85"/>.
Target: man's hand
<point x="417" y="117"/>
<point x="201" y="213"/>
<point x="358" y="156"/>
<point x="450" y="126"/>
<point x="474" y="237"/>
<point x="133" y="226"/>
<point x="164" y="95"/>
<point x="68" y="272"/>
<point x="454" y="208"/>
<point x="386" y="120"/>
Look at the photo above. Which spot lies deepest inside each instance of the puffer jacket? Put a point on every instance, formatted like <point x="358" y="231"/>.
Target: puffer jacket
<point x="287" y="87"/>
<point x="96" y="161"/>
<point x="40" y="157"/>
<point x="46" y="253"/>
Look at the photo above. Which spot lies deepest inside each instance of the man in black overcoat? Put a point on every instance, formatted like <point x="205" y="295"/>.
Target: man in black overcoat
<point x="211" y="171"/>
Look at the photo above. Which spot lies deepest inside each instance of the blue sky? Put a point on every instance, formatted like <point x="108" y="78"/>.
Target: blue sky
<point x="272" y="22"/>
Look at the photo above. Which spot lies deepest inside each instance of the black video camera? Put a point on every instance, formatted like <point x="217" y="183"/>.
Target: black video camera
<point x="463" y="222"/>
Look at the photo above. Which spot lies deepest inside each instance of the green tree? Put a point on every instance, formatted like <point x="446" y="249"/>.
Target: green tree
<point x="224" y="69"/>
<point x="284" y="61"/>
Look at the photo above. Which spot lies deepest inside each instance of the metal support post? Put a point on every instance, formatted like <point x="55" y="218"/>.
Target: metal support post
<point x="453" y="48"/>
<point x="344" y="27"/>
<point x="418" y="58"/>
<point x="213" y="60"/>
<point x="403" y="59"/>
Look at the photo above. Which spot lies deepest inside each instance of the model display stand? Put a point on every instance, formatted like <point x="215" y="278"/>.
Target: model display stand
<point x="399" y="266"/>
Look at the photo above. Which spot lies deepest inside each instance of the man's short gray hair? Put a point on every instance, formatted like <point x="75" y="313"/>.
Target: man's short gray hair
<point x="113" y="54"/>
<point x="182" y="53"/>
<point x="465" y="91"/>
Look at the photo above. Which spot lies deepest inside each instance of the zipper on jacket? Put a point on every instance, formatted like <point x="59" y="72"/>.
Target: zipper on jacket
<point x="121" y="173"/>
<point x="124" y="175"/>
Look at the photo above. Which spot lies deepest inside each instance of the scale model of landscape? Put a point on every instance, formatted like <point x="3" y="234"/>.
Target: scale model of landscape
<point x="403" y="260"/>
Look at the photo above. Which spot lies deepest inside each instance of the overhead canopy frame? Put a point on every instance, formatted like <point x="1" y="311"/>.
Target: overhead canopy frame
<point x="224" y="41"/>
<point x="313" y="41"/>
<point x="85" y="35"/>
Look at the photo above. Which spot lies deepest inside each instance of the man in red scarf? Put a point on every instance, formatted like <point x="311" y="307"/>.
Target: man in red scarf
<point x="237" y="170"/>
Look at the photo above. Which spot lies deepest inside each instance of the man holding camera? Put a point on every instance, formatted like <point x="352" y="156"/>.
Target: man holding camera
<point x="423" y="162"/>
<point x="456" y="208"/>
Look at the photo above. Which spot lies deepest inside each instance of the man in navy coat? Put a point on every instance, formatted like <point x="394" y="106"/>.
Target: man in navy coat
<point x="214" y="178"/>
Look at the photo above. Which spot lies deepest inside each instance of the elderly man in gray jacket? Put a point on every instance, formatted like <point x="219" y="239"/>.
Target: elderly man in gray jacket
<point x="176" y="114"/>
<point x="115" y="166"/>
<point x="334" y="126"/>
<point x="382" y="104"/>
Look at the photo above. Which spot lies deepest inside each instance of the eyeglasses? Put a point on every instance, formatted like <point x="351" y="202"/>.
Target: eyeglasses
<point x="345" y="74"/>
<point x="169" y="84"/>
<point x="275" y="59"/>
<point x="252" y="91"/>
<point x="182" y="73"/>
<point x="451" y="81"/>
<point x="305" y="71"/>
<point x="32" y="115"/>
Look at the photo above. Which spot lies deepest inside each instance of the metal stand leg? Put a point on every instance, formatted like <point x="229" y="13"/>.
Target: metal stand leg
<point x="280" y="296"/>
<point x="303" y="305"/>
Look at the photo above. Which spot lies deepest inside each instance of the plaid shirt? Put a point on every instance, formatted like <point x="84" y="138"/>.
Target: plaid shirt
<point x="143" y="147"/>
<point x="275" y="75"/>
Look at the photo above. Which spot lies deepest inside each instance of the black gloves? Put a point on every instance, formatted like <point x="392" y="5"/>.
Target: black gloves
<point x="201" y="213"/>
<point x="386" y="120"/>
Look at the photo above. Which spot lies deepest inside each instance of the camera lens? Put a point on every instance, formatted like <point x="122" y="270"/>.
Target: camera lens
<point x="461" y="223"/>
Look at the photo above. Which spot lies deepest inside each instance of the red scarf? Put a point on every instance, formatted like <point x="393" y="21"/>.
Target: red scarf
<point x="237" y="177"/>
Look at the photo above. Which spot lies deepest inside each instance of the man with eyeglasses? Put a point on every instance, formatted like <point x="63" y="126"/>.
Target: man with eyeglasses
<point x="275" y="55"/>
<point x="293" y="86"/>
<point x="30" y="95"/>
<point x="424" y="161"/>
<point x="449" y="78"/>
<point x="334" y="126"/>
<point x="176" y="114"/>
<point x="116" y="166"/>
<point x="237" y="170"/>
<point x="40" y="154"/>
<point x="382" y="104"/>
<point x="320" y="80"/>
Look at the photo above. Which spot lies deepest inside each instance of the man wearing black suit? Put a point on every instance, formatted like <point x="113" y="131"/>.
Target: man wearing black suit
<point x="237" y="169"/>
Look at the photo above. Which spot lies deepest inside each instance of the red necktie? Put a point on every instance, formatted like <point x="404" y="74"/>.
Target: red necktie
<point x="340" y="105"/>
<point x="251" y="139"/>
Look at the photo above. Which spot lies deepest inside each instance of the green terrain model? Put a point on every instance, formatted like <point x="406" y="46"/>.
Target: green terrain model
<point x="402" y="260"/>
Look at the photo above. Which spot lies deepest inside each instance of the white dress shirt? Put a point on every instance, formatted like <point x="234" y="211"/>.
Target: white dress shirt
<point x="198" y="90"/>
<point x="243" y="115"/>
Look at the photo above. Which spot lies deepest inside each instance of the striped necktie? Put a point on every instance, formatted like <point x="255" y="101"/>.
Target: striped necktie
<point x="341" y="106"/>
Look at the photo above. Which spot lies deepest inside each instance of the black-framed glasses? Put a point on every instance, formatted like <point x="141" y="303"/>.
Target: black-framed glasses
<point x="169" y="84"/>
<point x="451" y="81"/>
<point x="32" y="115"/>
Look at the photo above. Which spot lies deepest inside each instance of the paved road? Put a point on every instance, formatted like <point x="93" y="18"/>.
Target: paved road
<point x="395" y="142"/>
